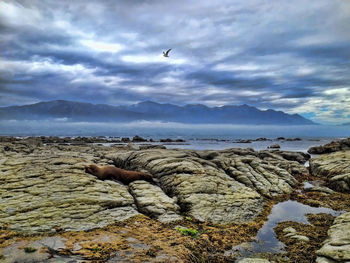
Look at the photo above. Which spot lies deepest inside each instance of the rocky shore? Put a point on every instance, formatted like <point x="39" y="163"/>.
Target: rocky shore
<point x="44" y="191"/>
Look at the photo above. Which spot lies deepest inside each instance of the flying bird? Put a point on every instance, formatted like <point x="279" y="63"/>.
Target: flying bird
<point x="166" y="54"/>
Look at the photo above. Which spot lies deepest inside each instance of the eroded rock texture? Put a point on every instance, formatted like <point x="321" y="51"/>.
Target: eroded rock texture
<point x="336" y="248"/>
<point x="334" y="146"/>
<point x="44" y="187"/>
<point x="218" y="186"/>
<point x="335" y="167"/>
<point x="47" y="189"/>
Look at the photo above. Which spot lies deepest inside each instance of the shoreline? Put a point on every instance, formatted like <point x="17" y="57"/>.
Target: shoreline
<point x="224" y="196"/>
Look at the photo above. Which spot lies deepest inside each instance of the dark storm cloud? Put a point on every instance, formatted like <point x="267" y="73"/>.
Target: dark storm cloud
<point x="290" y="55"/>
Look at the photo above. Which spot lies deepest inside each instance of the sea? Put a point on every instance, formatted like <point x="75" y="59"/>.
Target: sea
<point x="196" y="136"/>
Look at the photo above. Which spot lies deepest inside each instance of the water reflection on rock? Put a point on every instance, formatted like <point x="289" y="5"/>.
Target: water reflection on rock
<point x="266" y="240"/>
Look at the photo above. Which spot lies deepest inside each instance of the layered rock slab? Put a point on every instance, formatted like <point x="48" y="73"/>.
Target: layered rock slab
<point x="336" y="247"/>
<point x="216" y="186"/>
<point x="48" y="190"/>
<point x="340" y="145"/>
<point x="152" y="201"/>
<point x="335" y="167"/>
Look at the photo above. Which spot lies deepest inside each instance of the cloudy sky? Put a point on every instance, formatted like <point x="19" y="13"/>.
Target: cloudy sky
<point x="285" y="55"/>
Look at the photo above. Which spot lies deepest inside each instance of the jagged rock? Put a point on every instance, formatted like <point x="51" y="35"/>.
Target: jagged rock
<point x="151" y="200"/>
<point x="335" y="167"/>
<point x="336" y="247"/>
<point x="333" y="146"/>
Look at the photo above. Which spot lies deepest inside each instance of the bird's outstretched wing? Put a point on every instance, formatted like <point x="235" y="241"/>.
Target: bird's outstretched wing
<point x="167" y="52"/>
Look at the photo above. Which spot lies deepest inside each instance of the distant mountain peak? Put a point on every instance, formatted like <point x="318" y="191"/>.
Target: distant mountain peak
<point x="152" y="111"/>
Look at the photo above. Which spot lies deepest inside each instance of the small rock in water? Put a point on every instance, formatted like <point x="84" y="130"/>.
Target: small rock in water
<point x="274" y="146"/>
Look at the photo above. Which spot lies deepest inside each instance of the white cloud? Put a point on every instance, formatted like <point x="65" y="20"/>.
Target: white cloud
<point x="155" y="58"/>
<point x="100" y="46"/>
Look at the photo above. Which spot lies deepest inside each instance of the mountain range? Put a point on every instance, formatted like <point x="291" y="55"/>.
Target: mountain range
<point x="150" y="111"/>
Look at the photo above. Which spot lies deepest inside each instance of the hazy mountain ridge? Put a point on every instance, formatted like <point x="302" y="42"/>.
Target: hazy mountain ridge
<point x="152" y="111"/>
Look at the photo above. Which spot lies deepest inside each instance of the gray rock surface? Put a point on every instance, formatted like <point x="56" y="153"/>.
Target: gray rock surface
<point x="217" y="186"/>
<point x="340" y="145"/>
<point x="335" y="168"/>
<point x="336" y="247"/>
<point x="44" y="188"/>
<point x="300" y="238"/>
<point x="48" y="189"/>
<point x="151" y="200"/>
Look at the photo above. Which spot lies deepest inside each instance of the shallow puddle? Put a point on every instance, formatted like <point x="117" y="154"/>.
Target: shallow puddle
<point x="266" y="240"/>
<point x="16" y="252"/>
<point x="310" y="184"/>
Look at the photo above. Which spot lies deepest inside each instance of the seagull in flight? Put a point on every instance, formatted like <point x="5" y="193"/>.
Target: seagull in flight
<point x="166" y="54"/>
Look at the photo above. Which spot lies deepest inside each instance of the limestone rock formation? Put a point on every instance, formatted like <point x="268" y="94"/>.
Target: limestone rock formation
<point x="217" y="186"/>
<point x="152" y="201"/>
<point x="44" y="188"/>
<point x="335" y="167"/>
<point x="334" y="146"/>
<point x="336" y="248"/>
<point x="48" y="189"/>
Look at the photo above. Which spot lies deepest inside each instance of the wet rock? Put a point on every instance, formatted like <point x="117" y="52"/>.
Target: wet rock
<point x="262" y="139"/>
<point x="336" y="248"/>
<point x="274" y="146"/>
<point x="243" y="141"/>
<point x="152" y="146"/>
<point x="125" y="139"/>
<point x="335" y="168"/>
<point x="166" y="140"/>
<point x="333" y="146"/>
<point x="137" y="138"/>
<point x="293" y="139"/>
<point x="152" y="201"/>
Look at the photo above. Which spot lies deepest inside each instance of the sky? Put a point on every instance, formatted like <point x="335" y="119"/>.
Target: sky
<point x="285" y="55"/>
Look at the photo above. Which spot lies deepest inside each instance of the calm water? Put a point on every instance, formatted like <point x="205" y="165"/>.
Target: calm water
<point x="199" y="136"/>
<point x="266" y="240"/>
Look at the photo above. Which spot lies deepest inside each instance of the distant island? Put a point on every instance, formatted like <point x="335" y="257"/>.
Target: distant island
<point x="150" y="111"/>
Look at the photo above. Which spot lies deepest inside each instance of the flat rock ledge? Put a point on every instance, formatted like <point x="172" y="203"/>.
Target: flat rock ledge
<point x="44" y="188"/>
<point x="48" y="190"/>
<point x="336" y="247"/>
<point x="335" y="168"/>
